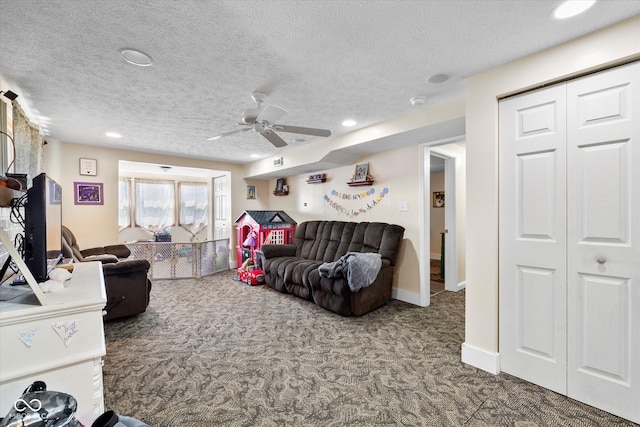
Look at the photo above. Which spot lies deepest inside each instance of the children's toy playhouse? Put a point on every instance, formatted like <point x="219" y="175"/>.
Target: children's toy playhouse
<point x="257" y="228"/>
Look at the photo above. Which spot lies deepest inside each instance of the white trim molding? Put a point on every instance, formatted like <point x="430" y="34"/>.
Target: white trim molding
<point x="481" y="359"/>
<point x="406" y="296"/>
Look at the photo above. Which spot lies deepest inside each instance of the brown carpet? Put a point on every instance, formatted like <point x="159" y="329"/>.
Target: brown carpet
<point x="213" y="352"/>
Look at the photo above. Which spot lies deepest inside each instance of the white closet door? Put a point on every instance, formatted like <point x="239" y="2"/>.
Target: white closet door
<point x="533" y="237"/>
<point x="603" y="178"/>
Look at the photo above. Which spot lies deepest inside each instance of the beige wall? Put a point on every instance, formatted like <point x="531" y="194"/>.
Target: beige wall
<point x="598" y="50"/>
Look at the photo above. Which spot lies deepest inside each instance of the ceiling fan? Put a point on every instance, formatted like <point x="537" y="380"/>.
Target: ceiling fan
<point x="264" y="123"/>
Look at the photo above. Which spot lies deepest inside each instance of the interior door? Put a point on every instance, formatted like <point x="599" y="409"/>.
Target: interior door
<point x="533" y="237"/>
<point x="604" y="240"/>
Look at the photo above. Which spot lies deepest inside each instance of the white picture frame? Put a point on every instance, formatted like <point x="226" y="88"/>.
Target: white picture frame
<point x="88" y="167"/>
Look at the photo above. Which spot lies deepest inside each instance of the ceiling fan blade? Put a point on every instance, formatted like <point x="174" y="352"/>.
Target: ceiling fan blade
<point x="233" y="132"/>
<point x="270" y="114"/>
<point x="302" y="130"/>
<point x="273" y="138"/>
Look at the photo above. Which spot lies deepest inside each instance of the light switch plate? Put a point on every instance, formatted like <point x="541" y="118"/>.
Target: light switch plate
<point x="404" y="206"/>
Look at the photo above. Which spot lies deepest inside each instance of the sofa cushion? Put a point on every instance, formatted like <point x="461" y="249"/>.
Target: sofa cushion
<point x="274" y="269"/>
<point x="324" y="241"/>
<point x="382" y="238"/>
<point x="296" y="277"/>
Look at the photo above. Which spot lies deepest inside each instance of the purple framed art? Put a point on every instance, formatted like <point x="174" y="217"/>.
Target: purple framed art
<point x="88" y="193"/>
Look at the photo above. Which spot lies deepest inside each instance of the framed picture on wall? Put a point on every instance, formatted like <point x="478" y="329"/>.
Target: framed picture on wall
<point x="251" y="192"/>
<point x="88" y="193"/>
<point x="438" y="199"/>
<point x="88" y="167"/>
<point x="361" y="172"/>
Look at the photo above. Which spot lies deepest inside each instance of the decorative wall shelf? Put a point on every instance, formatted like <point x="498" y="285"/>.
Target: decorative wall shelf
<point x="359" y="183"/>
<point x="282" y="189"/>
<point x="315" y="179"/>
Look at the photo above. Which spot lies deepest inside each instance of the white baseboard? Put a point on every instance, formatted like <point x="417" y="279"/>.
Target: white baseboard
<point x="481" y="359"/>
<point x="462" y="285"/>
<point x="435" y="256"/>
<point x="406" y="296"/>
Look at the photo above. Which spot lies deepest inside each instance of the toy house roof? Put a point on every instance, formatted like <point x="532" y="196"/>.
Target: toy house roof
<point x="268" y="217"/>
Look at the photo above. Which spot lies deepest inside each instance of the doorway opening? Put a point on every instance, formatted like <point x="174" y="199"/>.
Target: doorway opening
<point x="442" y="220"/>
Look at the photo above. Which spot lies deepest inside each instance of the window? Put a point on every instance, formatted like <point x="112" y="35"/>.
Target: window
<point x="193" y="206"/>
<point x="155" y="204"/>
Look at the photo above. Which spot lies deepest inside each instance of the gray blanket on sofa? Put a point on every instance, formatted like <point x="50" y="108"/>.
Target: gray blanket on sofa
<point x="360" y="269"/>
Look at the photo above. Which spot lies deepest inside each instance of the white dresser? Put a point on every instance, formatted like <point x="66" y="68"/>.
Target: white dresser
<point x="60" y="343"/>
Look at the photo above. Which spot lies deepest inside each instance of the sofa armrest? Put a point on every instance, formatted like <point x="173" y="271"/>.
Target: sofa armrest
<point x="92" y="251"/>
<point x="273" y="251"/>
<point x="103" y="258"/>
<point x="119" y="251"/>
<point x="126" y="267"/>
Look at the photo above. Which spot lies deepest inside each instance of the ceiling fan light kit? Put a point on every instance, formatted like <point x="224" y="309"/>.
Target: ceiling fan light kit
<point x="263" y="121"/>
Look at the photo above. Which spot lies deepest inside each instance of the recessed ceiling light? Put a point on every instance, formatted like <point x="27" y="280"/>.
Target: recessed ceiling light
<point x="417" y="100"/>
<point x="298" y="140"/>
<point x="136" y="57"/>
<point x="113" y="135"/>
<point x="437" y="78"/>
<point x="572" y="8"/>
<point x="349" y="123"/>
<point x="254" y="155"/>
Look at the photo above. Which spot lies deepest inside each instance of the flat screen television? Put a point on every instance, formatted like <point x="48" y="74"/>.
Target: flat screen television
<point x="43" y="227"/>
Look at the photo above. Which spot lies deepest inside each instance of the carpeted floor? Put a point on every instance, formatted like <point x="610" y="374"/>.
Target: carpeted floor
<point x="214" y="352"/>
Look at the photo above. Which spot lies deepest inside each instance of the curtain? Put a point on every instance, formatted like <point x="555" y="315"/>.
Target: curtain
<point x="124" y="203"/>
<point x="29" y="145"/>
<point x="155" y="204"/>
<point x="193" y="206"/>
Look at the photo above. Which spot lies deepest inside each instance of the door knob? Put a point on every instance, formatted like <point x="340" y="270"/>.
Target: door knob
<point x="601" y="259"/>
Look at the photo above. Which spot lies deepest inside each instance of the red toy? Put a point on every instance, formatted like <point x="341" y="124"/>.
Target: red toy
<point x="253" y="276"/>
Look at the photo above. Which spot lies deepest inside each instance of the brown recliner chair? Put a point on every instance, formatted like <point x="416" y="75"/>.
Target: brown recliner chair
<point x="126" y="282"/>
<point x="104" y="254"/>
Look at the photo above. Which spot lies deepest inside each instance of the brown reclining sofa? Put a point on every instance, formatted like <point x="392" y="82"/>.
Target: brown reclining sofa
<point x="294" y="268"/>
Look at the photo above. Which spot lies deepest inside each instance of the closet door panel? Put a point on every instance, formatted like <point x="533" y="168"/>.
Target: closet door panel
<point x="533" y="237"/>
<point x="603" y="264"/>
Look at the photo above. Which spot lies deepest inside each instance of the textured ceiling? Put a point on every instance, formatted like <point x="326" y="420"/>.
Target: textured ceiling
<point x="323" y="61"/>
